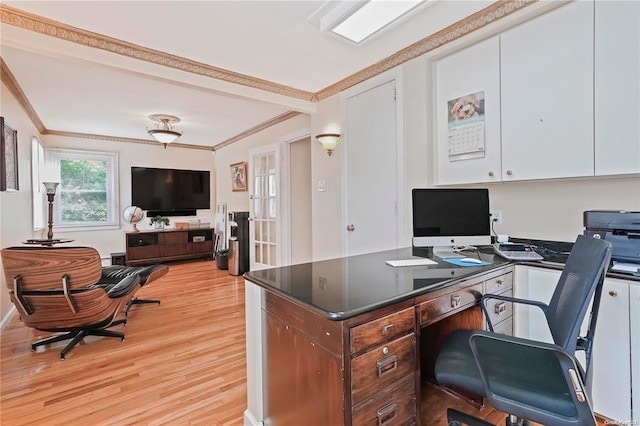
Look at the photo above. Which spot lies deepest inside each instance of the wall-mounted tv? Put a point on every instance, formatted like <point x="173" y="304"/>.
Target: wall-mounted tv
<point x="170" y="192"/>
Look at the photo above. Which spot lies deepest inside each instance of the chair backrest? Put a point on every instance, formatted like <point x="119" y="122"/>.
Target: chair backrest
<point x="47" y="301"/>
<point x="42" y="268"/>
<point x="584" y="270"/>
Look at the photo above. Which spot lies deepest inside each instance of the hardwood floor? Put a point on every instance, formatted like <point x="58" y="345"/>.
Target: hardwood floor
<point x="182" y="362"/>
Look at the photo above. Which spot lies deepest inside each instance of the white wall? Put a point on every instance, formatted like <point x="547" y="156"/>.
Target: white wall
<point x="15" y="207"/>
<point x="131" y="154"/>
<point x="300" y="190"/>
<point x="239" y="151"/>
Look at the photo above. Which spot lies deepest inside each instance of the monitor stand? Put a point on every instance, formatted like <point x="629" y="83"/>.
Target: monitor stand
<point x="445" y="252"/>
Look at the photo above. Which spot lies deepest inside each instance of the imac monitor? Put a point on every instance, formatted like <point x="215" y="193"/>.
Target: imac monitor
<point x="445" y="218"/>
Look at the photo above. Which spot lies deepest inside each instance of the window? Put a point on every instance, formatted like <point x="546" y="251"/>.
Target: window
<point x="87" y="194"/>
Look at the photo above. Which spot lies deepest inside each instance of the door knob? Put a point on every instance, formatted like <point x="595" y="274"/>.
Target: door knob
<point x="351" y="228"/>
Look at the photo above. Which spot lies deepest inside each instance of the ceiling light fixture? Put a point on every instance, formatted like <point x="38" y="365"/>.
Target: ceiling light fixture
<point x="361" y="20"/>
<point x="164" y="132"/>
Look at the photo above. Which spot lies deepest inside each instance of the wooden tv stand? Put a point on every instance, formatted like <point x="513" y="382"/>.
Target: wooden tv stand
<point x="160" y="245"/>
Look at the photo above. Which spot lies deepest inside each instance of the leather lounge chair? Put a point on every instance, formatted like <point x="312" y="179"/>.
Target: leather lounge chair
<point x="114" y="274"/>
<point x="55" y="289"/>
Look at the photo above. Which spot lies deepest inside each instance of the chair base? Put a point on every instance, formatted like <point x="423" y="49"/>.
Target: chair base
<point x="457" y="418"/>
<point x="136" y="301"/>
<point x="76" y="337"/>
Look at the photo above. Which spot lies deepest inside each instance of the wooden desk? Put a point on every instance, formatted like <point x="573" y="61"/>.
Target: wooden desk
<point x="349" y="341"/>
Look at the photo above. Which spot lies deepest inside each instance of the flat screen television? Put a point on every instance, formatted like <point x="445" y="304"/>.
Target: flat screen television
<point x="170" y="192"/>
<point x="446" y="218"/>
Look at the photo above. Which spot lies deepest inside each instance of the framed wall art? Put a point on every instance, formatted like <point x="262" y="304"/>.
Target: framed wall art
<point x="239" y="176"/>
<point x="8" y="157"/>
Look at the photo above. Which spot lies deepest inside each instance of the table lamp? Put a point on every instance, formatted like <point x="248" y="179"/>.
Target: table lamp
<point x="51" y="192"/>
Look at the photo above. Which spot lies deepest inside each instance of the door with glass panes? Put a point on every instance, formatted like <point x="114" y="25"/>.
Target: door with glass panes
<point x="264" y="209"/>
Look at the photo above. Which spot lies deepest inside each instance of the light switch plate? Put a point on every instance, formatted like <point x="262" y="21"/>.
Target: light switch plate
<point x="321" y="185"/>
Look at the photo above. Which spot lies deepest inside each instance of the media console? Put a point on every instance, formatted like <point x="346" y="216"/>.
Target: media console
<point x="158" y="245"/>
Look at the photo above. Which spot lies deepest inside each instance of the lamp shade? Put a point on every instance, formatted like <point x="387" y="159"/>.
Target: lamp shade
<point x="164" y="136"/>
<point x="50" y="187"/>
<point x="329" y="141"/>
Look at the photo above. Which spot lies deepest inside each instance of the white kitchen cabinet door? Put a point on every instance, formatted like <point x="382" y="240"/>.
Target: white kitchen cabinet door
<point x="547" y="95"/>
<point x="533" y="284"/>
<point x="611" y="360"/>
<point x="617" y="87"/>
<point x="472" y="71"/>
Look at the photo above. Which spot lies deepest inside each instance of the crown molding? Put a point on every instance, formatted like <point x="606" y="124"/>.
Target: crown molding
<point x="126" y="140"/>
<point x="260" y="127"/>
<point x="51" y="28"/>
<point x="480" y="19"/>
<point x="24" y="20"/>
<point x="7" y="77"/>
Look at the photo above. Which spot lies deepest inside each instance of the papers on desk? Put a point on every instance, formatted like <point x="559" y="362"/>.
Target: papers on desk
<point x="626" y="267"/>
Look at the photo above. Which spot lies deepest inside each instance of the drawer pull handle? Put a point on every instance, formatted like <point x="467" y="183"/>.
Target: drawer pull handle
<point x="613" y="293"/>
<point x="501" y="307"/>
<point x="387" y="413"/>
<point x="455" y="301"/>
<point x="387" y="364"/>
<point x="386" y="329"/>
<point x="499" y="282"/>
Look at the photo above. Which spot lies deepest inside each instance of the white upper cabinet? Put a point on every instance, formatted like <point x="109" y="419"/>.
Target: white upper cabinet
<point x="547" y="95"/>
<point x="617" y="87"/>
<point x="469" y="137"/>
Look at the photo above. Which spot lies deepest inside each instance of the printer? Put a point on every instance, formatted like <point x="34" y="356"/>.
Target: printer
<point x="622" y="229"/>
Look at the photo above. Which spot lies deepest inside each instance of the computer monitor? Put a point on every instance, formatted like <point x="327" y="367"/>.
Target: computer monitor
<point x="446" y="218"/>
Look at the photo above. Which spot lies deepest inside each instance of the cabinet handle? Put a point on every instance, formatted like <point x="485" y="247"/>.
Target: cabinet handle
<point x="509" y="172"/>
<point x="501" y="307"/>
<point x="351" y="228"/>
<point x="387" y="364"/>
<point x="387" y="413"/>
<point x="613" y="293"/>
<point x="455" y="301"/>
<point x="386" y="329"/>
<point x="490" y="174"/>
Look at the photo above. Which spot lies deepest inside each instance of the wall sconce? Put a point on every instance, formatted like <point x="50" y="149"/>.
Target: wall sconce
<point x="329" y="141"/>
<point x="51" y="192"/>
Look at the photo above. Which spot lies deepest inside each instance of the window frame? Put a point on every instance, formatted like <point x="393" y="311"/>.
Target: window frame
<point x="37" y="189"/>
<point x="53" y="158"/>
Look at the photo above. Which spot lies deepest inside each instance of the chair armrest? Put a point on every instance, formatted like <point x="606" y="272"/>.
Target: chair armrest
<point x="517" y="374"/>
<point x="543" y="306"/>
<point x="125" y="287"/>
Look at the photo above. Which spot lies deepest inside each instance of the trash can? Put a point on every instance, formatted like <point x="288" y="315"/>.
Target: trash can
<point x="234" y="258"/>
<point x="222" y="258"/>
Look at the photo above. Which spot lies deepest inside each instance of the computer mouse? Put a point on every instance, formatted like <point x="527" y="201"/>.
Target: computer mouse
<point x="470" y="260"/>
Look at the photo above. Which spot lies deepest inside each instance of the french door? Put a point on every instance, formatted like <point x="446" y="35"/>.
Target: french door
<point x="264" y="207"/>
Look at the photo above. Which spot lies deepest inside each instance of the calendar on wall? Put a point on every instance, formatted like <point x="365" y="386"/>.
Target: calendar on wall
<point x="466" y="137"/>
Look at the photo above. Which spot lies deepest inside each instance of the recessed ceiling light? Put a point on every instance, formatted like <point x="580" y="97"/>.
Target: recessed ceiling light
<point x="359" y="21"/>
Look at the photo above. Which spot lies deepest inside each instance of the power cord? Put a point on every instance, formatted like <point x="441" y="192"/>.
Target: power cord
<point x="493" y="221"/>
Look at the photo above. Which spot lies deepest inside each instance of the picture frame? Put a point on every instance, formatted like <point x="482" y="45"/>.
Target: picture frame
<point x="8" y="157"/>
<point x="239" y="176"/>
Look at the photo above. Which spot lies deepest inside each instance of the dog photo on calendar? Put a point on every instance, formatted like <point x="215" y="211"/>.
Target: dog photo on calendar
<point x="467" y="107"/>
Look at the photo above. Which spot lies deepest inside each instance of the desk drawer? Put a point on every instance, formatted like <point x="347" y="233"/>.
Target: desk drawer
<point x="378" y="369"/>
<point x="397" y="407"/>
<point x="499" y="284"/>
<point x="499" y="310"/>
<point x="383" y="329"/>
<point x="449" y="303"/>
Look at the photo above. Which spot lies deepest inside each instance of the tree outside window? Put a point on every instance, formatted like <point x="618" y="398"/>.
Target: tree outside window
<point x="88" y="188"/>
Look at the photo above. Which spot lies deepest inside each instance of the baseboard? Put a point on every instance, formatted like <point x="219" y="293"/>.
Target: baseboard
<point x="7" y="318"/>
<point x="249" y="420"/>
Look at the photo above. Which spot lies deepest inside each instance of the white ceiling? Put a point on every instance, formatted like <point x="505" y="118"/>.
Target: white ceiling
<point x="75" y="88"/>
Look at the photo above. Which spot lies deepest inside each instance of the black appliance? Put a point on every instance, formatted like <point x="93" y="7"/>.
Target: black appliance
<point x="620" y="227"/>
<point x="238" y="243"/>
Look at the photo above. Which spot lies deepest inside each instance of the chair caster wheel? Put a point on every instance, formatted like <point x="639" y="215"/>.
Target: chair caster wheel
<point x="454" y="423"/>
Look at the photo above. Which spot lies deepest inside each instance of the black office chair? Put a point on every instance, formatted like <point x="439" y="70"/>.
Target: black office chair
<point x="532" y="380"/>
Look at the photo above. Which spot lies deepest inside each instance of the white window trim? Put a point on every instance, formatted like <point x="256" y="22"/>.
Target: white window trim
<point x="37" y="166"/>
<point x="53" y="156"/>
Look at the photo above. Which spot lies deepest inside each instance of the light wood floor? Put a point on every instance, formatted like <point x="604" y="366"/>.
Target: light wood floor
<point x="182" y="362"/>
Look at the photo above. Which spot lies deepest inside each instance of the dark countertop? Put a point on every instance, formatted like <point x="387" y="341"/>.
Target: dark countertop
<point x="345" y="287"/>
